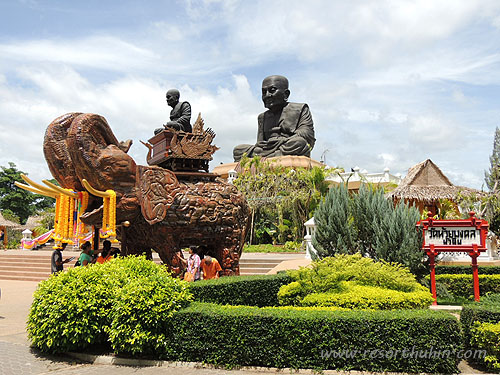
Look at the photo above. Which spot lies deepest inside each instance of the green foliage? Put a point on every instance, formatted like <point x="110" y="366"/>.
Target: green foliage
<point x="335" y="231"/>
<point x="11" y="216"/>
<point x="354" y="281"/>
<point x="486" y="336"/>
<point x="115" y="301"/>
<point x="368" y="297"/>
<point x="482" y="270"/>
<point x="258" y="290"/>
<point x="492" y="177"/>
<point x="302" y="338"/>
<point x="462" y="285"/>
<point x="281" y="198"/>
<point x="21" y="202"/>
<point x="14" y="238"/>
<point x="369" y="224"/>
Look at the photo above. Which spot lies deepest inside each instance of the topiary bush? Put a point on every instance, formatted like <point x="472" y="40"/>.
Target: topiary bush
<point x="482" y="270"/>
<point x="369" y="297"/>
<point x="356" y="282"/>
<point x="312" y="338"/>
<point x="255" y="290"/>
<point x="462" y="285"/>
<point x="126" y="301"/>
<point x="486" y="337"/>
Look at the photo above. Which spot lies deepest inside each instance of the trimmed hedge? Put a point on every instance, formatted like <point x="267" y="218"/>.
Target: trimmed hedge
<point x="486" y="336"/>
<point x="462" y="285"/>
<point x="368" y="297"/>
<point x="353" y="281"/>
<point x="257" y="290"/>
<point x="457" y="270"/>
<point x="125" y="302"/>
<point x="482" y="312"/>
<point x="313" y="338"/>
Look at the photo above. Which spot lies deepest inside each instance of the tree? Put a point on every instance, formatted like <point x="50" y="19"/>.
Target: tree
<point x="19" y="201"/>
<point x="335" y="231"/>
<point x="492" y="177"/>
<point x="369" y="224"/>
<point x="282" y="199"/>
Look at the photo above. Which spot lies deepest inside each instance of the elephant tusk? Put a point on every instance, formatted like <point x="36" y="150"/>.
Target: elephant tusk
<point x="93" y="191"/>
<point x="35" y="190"/>
<point x="39" y="187"/>
<point x="59" y="189"/>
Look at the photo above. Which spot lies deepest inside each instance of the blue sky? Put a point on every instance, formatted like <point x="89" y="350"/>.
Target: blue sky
<point x="389" y="83"/>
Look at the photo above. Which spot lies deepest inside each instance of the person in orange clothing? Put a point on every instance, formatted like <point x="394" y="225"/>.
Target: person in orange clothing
<point x="105" y="253"/>
<point x="211" y="268"/>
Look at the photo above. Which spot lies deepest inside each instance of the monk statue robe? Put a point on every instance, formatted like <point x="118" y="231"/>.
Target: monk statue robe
<point x="180" y="115"/>
<point x="284" y="129"/>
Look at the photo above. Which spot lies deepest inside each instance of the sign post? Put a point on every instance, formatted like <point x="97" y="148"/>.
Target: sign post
<point x="467" y="235"/>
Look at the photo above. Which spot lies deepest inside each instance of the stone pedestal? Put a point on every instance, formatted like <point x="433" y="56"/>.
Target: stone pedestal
<point x="285" y="161"/>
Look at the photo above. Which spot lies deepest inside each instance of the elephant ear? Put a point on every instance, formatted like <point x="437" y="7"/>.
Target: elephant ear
<point x="157" y="190"/>
<point x="97" y="155"/>
<point x="57" y="154"/>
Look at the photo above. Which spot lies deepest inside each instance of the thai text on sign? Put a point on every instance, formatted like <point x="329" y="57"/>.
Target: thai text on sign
<point x="452" y="236"/>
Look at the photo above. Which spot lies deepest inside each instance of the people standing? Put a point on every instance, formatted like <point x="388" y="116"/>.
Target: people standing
<point x="105" y="253"/>
<point x="85" y="256"/>
<point x="211" y="268"/>
<point x="57" y="262"/>
<point x="193" y="265"/>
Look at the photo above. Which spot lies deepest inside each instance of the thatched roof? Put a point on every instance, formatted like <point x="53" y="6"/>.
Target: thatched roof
<point x="7" y="223"/>
<point x="426" y="183"/>
<point x="32" y="222"/>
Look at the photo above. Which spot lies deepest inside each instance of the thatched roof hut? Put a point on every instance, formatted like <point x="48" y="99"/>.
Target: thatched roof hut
<point x="7" y="223"/>
<point x="33" y="222"/>
<point x="425" y="184"/>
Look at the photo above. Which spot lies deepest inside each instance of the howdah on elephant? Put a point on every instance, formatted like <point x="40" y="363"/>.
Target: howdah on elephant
<point x="166" y="212"/>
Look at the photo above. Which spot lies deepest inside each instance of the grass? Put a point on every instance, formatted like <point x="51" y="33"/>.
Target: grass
<point x="269" y="248"/>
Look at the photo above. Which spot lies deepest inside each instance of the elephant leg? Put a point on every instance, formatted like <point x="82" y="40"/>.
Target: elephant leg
<point x="229" y="254"/>
<point x="169" y="252"/>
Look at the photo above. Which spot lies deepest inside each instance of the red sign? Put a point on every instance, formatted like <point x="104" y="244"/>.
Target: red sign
<point x="454" y="236"/>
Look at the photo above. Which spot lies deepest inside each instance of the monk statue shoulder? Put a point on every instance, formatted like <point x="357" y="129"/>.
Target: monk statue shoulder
<point x="284" y="129"/>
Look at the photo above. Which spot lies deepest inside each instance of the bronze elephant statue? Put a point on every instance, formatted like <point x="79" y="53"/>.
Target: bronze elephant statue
<point x="166" y="212"/>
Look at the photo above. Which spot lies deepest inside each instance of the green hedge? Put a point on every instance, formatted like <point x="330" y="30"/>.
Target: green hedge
<point x="353" y="281"/>
<point x="125" y="302"/>
<point x="486" y="336"/>
<point x="482" y="270"/>
<point x="482" y="312"/>
<point x="368" y="297"/>
<point x="313" y="338"/>
<point x="462" y="285"/>
<point x="257" y="290"/>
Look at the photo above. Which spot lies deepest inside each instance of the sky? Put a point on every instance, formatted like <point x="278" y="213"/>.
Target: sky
<point x="389" y="83"/>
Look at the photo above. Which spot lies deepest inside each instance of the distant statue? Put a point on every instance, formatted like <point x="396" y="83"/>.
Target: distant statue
<point x="284" y="129"/>
<point x="180" y="115"/>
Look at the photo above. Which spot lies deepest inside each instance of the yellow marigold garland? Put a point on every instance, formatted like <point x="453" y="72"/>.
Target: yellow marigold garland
<point x="109" y="216"/>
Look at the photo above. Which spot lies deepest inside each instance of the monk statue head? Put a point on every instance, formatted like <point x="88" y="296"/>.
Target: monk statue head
<point x="173" y="96"/>
<point x="275" y="92"/>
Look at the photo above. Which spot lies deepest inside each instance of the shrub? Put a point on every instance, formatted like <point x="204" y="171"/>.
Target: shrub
<point x="259" y="290"/>
<point x="462" y="285"/>
<point x="477" y="312"/>
<point x="369" y="224"/>
<point x="285" y="337"/>
<point x="369" y="297"/>
<point x="345" y="276"/>
<point x="82" y="306"/>
<point x="482" y="270"/>
<point x="486" y="336"/>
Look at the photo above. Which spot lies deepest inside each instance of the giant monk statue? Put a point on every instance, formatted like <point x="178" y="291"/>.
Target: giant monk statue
<point x="284" y="129"/>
